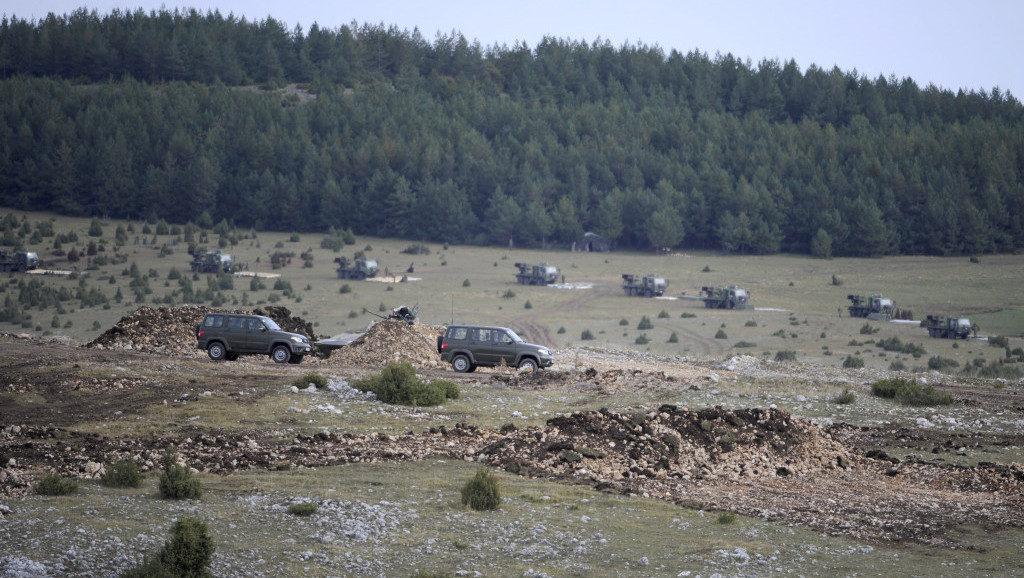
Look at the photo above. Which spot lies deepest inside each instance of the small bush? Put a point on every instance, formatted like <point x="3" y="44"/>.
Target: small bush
<point x="642" y="340"/>
<point x="465" y="283"/>
<point x="853" y="362"/>
<point x="998" y="341"/>
<point x="687" y="315"/>
<point x="847" y="397"/>
<point x="346" y="288"/>
<point x="586" y="335"/>
<point x="727" y="518"/>
<point x="124" y="474"/>
<point x="54" y="485"/>
<point x="721" y="334"/>
<point x="397" y="384"/>
<point x="315" y="379"/>
<point x="750" y="323"/>
<point x="663" y="314"/>
<point x="482" y="491"/>
<point x="785" y="355"/>
<point x="907" y="392"/>
<point x="897" y="366"/>
<point x="561" y="330"/>
<point x="509" y="294"/>
<point x="645" y="323"/>
<point x="744" y="344"/>
<point x="673" y="338"/>
<point x="894" y="344"/>
<point x="302" y="509"/>
<point x="527" y="305"/>
<point x="868" y="329"/>
<point x="177" y="482"/>
<point x="939" y="363"/>
<point x="623" y="322"/>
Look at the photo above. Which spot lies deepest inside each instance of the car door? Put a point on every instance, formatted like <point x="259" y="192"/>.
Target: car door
<point x="256" y="335"/>
<point x="482" y="345"/>
<point x="235" y="333"/>
<point x="504" y="348"/>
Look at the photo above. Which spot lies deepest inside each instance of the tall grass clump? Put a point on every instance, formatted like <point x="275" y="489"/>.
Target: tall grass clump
<point x="187" y="554"/>
<point x="482" y="491"/>
<point x="124" y="474"/>
<point x="54" y="485"/>
<point x="177" y="482"/>
<point x="845" y="398"/>
<point x="397" y="384"/>
<point x="907" y="392"/>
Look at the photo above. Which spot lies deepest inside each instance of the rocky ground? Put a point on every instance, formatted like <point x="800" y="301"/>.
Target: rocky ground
<point x="761" y="462"/>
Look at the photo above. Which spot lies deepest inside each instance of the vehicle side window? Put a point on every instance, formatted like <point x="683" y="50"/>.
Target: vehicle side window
<point x="502" y="337"/>
<point x="234" y="322"/>
<point x="458" y="332"/>
<point x="214" y="321"/>
<point x="482" y="335"/>
<point x="255" y="324"/>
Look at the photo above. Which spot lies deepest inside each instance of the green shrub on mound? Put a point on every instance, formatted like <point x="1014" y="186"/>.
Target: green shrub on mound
<point x="397" y="384"/>
<point x="186" y="554"/>
<point x="124" y="474"/>
<point x="907" y="392"/>
<point x="314" y="379"/>
<point x="54" y="485"/>
<point x="177" y="482"/>
<point x="482" y="492"/>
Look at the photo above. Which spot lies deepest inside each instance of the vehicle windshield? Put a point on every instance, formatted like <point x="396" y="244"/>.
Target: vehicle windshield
<point x="514" y="337"/>
<point x="271" y="325"/>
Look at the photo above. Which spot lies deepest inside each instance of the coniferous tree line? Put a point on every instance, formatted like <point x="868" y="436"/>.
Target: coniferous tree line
<point x="199" y="117"/>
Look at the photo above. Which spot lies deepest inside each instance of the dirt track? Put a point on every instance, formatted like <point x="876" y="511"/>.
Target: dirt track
<point x="760" y="462"/>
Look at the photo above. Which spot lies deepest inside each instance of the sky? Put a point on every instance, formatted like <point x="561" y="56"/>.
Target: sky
<point x="952" y="44"/>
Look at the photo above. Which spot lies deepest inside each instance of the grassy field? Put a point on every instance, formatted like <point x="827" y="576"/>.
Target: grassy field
<point x="801" y="308"/>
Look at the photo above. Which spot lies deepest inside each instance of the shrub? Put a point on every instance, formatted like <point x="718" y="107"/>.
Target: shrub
<point x="785" y="355"/>
<point x="124" y="474"/>
<point x="687" y="315"/>
<point x="663" y="314"/>
<point x="314" y="379"/>
<point x="907" y="392"/>
<point x="844" y="398"/>
<point x="645" y="323"/>
<point x="346" y="288"/>
<point x="750" y="323"/>
<point x="853" y="362"/>
<point x="302" y="509"/>
<point x="727" y="518"/>
<point x="177" y="481"/>
<point x="897" y="366"/>
<point x="623" y="322"/>
<point x="186" y="554"/>
<point x="397" y="384"/>
<point x="527" y="305"/>
<point x="894" y="344"/>
<point x="998" y="341"/>
<point x="744" y="344"/>
<point x="54" y="485"/>
<point x="561" y="330"/>
<point x="673" y="338"/>
<point x="482" y="491"/>
<point x="940" y="363"/>
<point x="721" y="334"/>
<point x="868" y="329"/>
<point x="642" y="340"/>
<point x="465" y="283"/>
<point x="509" y="294"/>
<point x="586" y="335"/>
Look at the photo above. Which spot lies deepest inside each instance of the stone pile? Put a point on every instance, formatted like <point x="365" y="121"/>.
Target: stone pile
<point x="392" y="340"/>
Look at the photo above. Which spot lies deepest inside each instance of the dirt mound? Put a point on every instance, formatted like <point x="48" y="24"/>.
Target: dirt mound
<point x="392" y="340"/>
<point x="672" y="442"/>
<point x="172" y="330"/>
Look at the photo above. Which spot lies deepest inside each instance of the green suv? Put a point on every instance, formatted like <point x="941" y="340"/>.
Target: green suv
<point x="228" y="335"/>
<point x="467" y="347"/>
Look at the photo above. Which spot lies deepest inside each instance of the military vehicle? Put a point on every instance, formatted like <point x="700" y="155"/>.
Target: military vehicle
<point x="542" y="274"/>
<point x="18" y="261"/>
<point x="947" y="327"/>
<point x="873" y="307"/>
<point x="359" y="268"/>
<point x="730" y="297"/>
<point x="212" y="262"/>
<point x="643" y="286"/>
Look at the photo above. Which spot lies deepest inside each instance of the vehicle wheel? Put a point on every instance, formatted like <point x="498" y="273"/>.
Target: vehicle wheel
<point x="280" y="354"/>
<point x="295" y="359"/>
<point x="231" y="356"/>
<point x="216" y="351"/>
<point x="461" y="364"/>
<point x="528" y="364"/>
<point x="439" y="339"/>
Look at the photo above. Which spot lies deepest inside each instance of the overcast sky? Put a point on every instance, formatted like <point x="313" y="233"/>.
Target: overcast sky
<point x="953" y="44"/>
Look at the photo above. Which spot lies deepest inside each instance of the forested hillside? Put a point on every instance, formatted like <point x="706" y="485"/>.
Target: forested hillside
<point x="200" y="117"/>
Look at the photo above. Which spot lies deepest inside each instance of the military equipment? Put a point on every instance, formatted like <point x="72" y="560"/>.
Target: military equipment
<point x="18" y="261"/>
<point x="947" y="327"/>
<point x="643" y="286"/>
<point x="873" y="307"/>
<point x="542" y="274"/>
<point x="212" y="262"/>
<point x="402" y="313"/>
<point x="359" y="268"/>
<point x="730" y="297"/>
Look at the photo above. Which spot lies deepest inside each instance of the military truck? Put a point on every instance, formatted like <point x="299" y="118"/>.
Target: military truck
<point x="212" y="262"/>
<point x="873" y="307"/>
<point x="542" y="274"/>
<point x="947" y="327"/>
<point x="18" y="261"/>
<point x="643" y="286"/>
<point x="730" y="297"/>
<point x="359" y="268"/>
